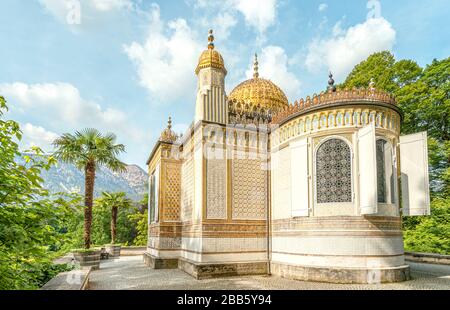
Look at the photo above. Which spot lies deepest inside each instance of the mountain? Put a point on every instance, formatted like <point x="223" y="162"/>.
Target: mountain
<point x="67" y="178"/>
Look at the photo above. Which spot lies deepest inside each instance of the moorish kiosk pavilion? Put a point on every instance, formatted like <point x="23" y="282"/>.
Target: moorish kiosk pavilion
<point x="306" y="191"/>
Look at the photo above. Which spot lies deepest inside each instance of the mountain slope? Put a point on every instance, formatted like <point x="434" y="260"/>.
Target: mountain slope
<point x="67" y="178"/>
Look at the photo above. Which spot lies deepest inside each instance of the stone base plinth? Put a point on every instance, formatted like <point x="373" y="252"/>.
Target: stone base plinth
<point x="341" y="275"/>
<point x="207" y="271"/>
<point x="160" y="263"/>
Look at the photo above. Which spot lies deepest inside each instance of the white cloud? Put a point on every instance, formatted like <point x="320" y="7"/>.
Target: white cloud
<point x="61" y="107"/>
<point x="257" y="14"/>
<point x="323" y="7"/>
<point x="346" y="48"/>
<point x="37" y="136"/>
<point x="62" y="8"/>
<point x="109" y="5"/>
<point x="274" y="65"/>
<point x="166" y="62"/>
<point x="222" y="24"/>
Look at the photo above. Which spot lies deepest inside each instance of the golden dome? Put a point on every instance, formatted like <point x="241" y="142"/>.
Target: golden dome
<point x="259" y="91"/>
<point x="210" y="57"/>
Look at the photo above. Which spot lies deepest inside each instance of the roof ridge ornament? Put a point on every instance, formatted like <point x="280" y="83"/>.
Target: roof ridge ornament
<point x="256" y="67"/>
<point x="168" y="135"/>
<point x="331" y="86"/>
<point x="211" y="40"/>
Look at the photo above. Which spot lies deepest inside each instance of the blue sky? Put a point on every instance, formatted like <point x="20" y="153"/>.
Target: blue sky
<point x="127" y="65"/>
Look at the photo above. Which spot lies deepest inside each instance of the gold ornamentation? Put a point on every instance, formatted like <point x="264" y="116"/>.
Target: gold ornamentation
<point x="255" y="67"/>
<point x="248" y="113"/>
<point x="258" y="91"/>
<point x="168" y="135"/>
<point x="262" y="92"/>
<point x="210" y="58"/>
<point x="343" y="96"/>
<point x="171" y="194"/>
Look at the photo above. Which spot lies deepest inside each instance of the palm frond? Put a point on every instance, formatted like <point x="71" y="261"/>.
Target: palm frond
<point x="90" y="145"/>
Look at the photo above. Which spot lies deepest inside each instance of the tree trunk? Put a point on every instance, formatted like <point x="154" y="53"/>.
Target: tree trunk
<point x="89" y="180"/>
<point x="113" y="224"/>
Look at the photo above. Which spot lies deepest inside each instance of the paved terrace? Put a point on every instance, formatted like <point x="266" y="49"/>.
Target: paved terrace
<point x="130" y="273"/>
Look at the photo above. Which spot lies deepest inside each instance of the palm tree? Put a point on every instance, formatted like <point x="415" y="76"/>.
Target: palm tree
<point x="114" y="201"/>
<point x="88" y="149"/>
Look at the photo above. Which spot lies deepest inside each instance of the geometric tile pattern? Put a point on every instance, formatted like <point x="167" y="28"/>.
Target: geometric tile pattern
<point x="249" y="189"/>
<point x="172" y="192"/>
<point x="187" y="192"/>
<point x="216" y="189"/>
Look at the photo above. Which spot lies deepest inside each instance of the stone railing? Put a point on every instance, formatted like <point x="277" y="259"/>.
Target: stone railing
<point x="339" y="96"/>
<point x="430" y="258"/>
<point x="132" y="250"/>
<point x="74" y="280"/>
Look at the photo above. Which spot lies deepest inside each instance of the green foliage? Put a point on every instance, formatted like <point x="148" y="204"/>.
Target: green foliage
<point x="89" y="149"/>
<point x="31" y="221"/>
<point x="424" y="97"/>
<point x="36" y="227"/>
<point x="388" y="74"/>
<point x="140" y="221"/>
<point x="90" y="145"/>
<point x="426" y="105"/>
<point x="101" y="224"/>
<point x="101" y="227"/>
<point x="48" y="271"/>
<point x="430" y="234"/>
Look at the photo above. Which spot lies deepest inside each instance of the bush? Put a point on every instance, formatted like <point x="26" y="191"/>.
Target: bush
<point x="429" y="234"/>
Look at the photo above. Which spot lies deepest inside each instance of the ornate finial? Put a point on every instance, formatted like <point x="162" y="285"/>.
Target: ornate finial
<point x="331" y="86"/>
<point x="255" y="67"/>
<point x="168" y="135"/>
<point x="211" y="40"/>
<point x="372" y="85"/>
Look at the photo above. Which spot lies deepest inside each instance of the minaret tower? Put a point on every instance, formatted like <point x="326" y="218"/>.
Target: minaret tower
<point x="211" y="98"/>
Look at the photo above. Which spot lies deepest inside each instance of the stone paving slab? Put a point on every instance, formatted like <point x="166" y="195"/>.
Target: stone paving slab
<point x="130" y="273"/>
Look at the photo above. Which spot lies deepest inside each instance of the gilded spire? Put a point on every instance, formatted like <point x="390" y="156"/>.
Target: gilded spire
<point x="255" y="67"/>
<point x="210" y="58"/>
<point x="210" y="40"/>
<point x="168" y="135"/>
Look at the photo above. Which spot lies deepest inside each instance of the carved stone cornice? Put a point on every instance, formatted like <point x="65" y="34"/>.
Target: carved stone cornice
<point x="340" y="96"/>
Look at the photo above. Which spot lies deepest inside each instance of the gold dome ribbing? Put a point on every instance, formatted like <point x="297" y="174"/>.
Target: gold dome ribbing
<point x="259" y="91"/>
<point x="210" y="57"/>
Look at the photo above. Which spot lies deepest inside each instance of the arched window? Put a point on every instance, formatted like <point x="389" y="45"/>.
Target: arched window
<point x="152" y="200"/>
<point x="385" y="174"/>
<point x="154" y="196"/>
<point x="333" y="172"/>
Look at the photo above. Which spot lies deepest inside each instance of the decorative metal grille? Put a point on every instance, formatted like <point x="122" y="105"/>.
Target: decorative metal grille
<point x="333" y="172"/>
<point x="381" y="171"/>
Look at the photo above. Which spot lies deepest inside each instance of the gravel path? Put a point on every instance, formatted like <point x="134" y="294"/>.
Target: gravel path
<point x="130" y="273"/>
